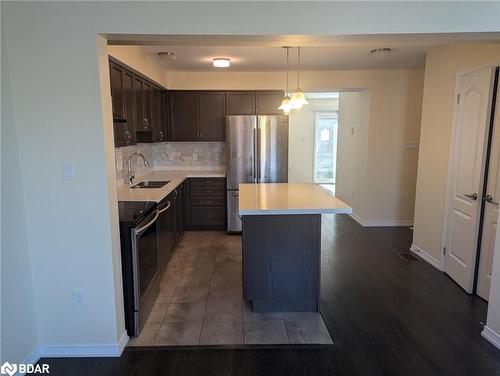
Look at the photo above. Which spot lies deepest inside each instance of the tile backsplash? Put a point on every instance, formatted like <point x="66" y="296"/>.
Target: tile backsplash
<point x="170" y="155"/>
<point x="206" y="154"/>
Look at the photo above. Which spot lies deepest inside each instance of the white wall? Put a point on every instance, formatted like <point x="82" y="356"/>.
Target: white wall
<point x="60" y="112"/>
<point x="442" y="65"/>
<point x="351" y="187"/>
<point x="301" y="139"/>
<point x="19" y="337"/>
<point x="394" y="118"/>
<point x="136" y="58"/>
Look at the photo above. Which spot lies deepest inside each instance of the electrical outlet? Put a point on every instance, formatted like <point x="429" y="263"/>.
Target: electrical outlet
<point x="68" y="171"/>
<point x="78" y="297"/>
<point x="195" y="156"/>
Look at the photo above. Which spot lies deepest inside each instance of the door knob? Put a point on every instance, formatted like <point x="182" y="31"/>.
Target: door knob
<point x="489" y="198"/>
<point x="472" y="196"/>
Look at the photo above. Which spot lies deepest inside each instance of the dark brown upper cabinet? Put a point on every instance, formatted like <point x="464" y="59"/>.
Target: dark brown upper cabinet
<point x="240" y="103"/>
<point x="154" y="97"/>
<point x="267" y="102"/>
<point x="115" y="75"/>
<point x="183" y="115"/>
<point x="128" y="101"/>
<point x="139" y="104"/>
<point x="147" y="112"/>
<point x="197" y="115"/>
<point x="212" y="116"/>
<point x="122" y="103"/>
<point x="160" y="133"/>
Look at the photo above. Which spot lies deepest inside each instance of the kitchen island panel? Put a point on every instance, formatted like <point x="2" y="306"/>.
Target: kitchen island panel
<point x="281" y="262"/>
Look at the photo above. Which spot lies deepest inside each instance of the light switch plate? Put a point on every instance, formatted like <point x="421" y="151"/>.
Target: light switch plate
<point x="68" y="171"/>
<point x="412" y="146"/>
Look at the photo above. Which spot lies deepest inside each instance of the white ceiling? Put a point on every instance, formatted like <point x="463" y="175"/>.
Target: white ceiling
<point x="273" y="58"/>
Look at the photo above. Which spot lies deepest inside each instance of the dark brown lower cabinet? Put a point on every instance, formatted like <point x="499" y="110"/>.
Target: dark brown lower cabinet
<point x="178" y="200"/>
<point x="205" y="204"/>
<point x="166" y="231"/>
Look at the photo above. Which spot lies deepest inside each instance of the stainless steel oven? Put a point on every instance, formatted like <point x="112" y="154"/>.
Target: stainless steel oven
<point x="145" y="268"/>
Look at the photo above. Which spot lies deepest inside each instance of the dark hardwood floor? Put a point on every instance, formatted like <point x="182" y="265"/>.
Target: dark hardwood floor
<point x="386" y="317"/>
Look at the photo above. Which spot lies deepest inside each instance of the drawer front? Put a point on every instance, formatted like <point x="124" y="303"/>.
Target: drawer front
<point x="209" y="192"/>
<point x="208" y="201"/>
<point x="207" y="216"/>
<point x="207" y="183"/>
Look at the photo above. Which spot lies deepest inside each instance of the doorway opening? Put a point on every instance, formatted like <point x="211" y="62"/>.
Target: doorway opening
<point x="325" y="148"/>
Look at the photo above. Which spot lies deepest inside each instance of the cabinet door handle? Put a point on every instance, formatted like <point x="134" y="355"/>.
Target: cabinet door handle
<point x="208" y="201"/>
<point x="161" y="136"/>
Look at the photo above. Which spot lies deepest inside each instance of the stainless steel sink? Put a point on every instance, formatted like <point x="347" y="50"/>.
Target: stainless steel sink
<point x="151" y="184"/>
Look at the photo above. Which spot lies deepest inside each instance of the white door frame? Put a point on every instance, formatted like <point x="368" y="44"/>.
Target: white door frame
<point x="451" y="155"/>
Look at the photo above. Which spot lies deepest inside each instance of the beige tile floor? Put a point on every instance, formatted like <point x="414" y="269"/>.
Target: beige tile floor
<point x="201" y="302"/>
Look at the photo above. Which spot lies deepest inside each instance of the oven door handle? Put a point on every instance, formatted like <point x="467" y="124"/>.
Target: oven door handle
<point x="167" y="206"/>
<point x="141" y="229"/>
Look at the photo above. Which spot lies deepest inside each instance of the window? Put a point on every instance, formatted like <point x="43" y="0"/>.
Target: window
<point x="325" y="147"/>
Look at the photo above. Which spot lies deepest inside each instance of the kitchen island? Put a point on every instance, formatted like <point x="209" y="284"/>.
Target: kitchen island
<point x="282" y="244"/>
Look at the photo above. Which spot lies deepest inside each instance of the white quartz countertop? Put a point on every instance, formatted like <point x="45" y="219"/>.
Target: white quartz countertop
<point x="288" y="198"/>
<point x="176" y="177"/>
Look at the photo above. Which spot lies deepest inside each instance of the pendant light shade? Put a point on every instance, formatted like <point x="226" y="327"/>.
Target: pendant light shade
<point x="286" y="104"/>
<point x="298" y="97"/>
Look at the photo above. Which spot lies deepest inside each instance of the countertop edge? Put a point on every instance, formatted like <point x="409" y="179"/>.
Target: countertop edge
<point x="177" y="178"/>
<point x="295" y="211"/>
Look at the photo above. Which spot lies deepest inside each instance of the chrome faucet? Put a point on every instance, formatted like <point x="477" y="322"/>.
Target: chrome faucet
<point x="131" y="175"/>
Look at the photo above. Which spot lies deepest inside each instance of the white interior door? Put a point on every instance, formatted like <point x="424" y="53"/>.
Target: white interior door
<point x="490" y="210"/>
<point x="467" y="175"/>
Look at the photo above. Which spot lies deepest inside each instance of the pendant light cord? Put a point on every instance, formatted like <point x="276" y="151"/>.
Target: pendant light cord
<point x="287" y="68"/>
<point x="298" y="67"/>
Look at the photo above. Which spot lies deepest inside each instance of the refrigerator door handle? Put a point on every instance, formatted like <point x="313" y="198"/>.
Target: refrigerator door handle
<point x="254" y="155"/>
<point x="259" y="177"/>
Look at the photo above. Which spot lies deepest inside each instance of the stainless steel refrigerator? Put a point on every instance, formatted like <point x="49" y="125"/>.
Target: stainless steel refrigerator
<point x="257" y="148"/>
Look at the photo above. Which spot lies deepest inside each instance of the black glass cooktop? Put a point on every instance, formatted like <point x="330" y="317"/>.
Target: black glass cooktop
<point x="134" y="211"/>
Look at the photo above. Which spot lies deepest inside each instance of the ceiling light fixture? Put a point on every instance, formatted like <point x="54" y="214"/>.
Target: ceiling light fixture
<point x="381" y="52"/>
<point x="168" y="55"/>
<point x="221" y="62"/>
<point x="285" y="104"/>
<point x="298" y="97"/>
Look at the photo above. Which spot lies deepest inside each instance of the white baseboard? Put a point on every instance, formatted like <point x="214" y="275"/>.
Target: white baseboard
<point x="356" y="218"/>
<point x="123" y="342"/>
<point x="381" y="223"/>
<point x="78" y="351"/>
<point x="491" y="336"/>
<point x="31" y="359"/>
<point x="426" y="257"/>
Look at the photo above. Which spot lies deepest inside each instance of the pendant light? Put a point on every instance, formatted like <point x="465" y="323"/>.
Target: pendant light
<point x="298" y="97"/>
<point x="286" y="103"/>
